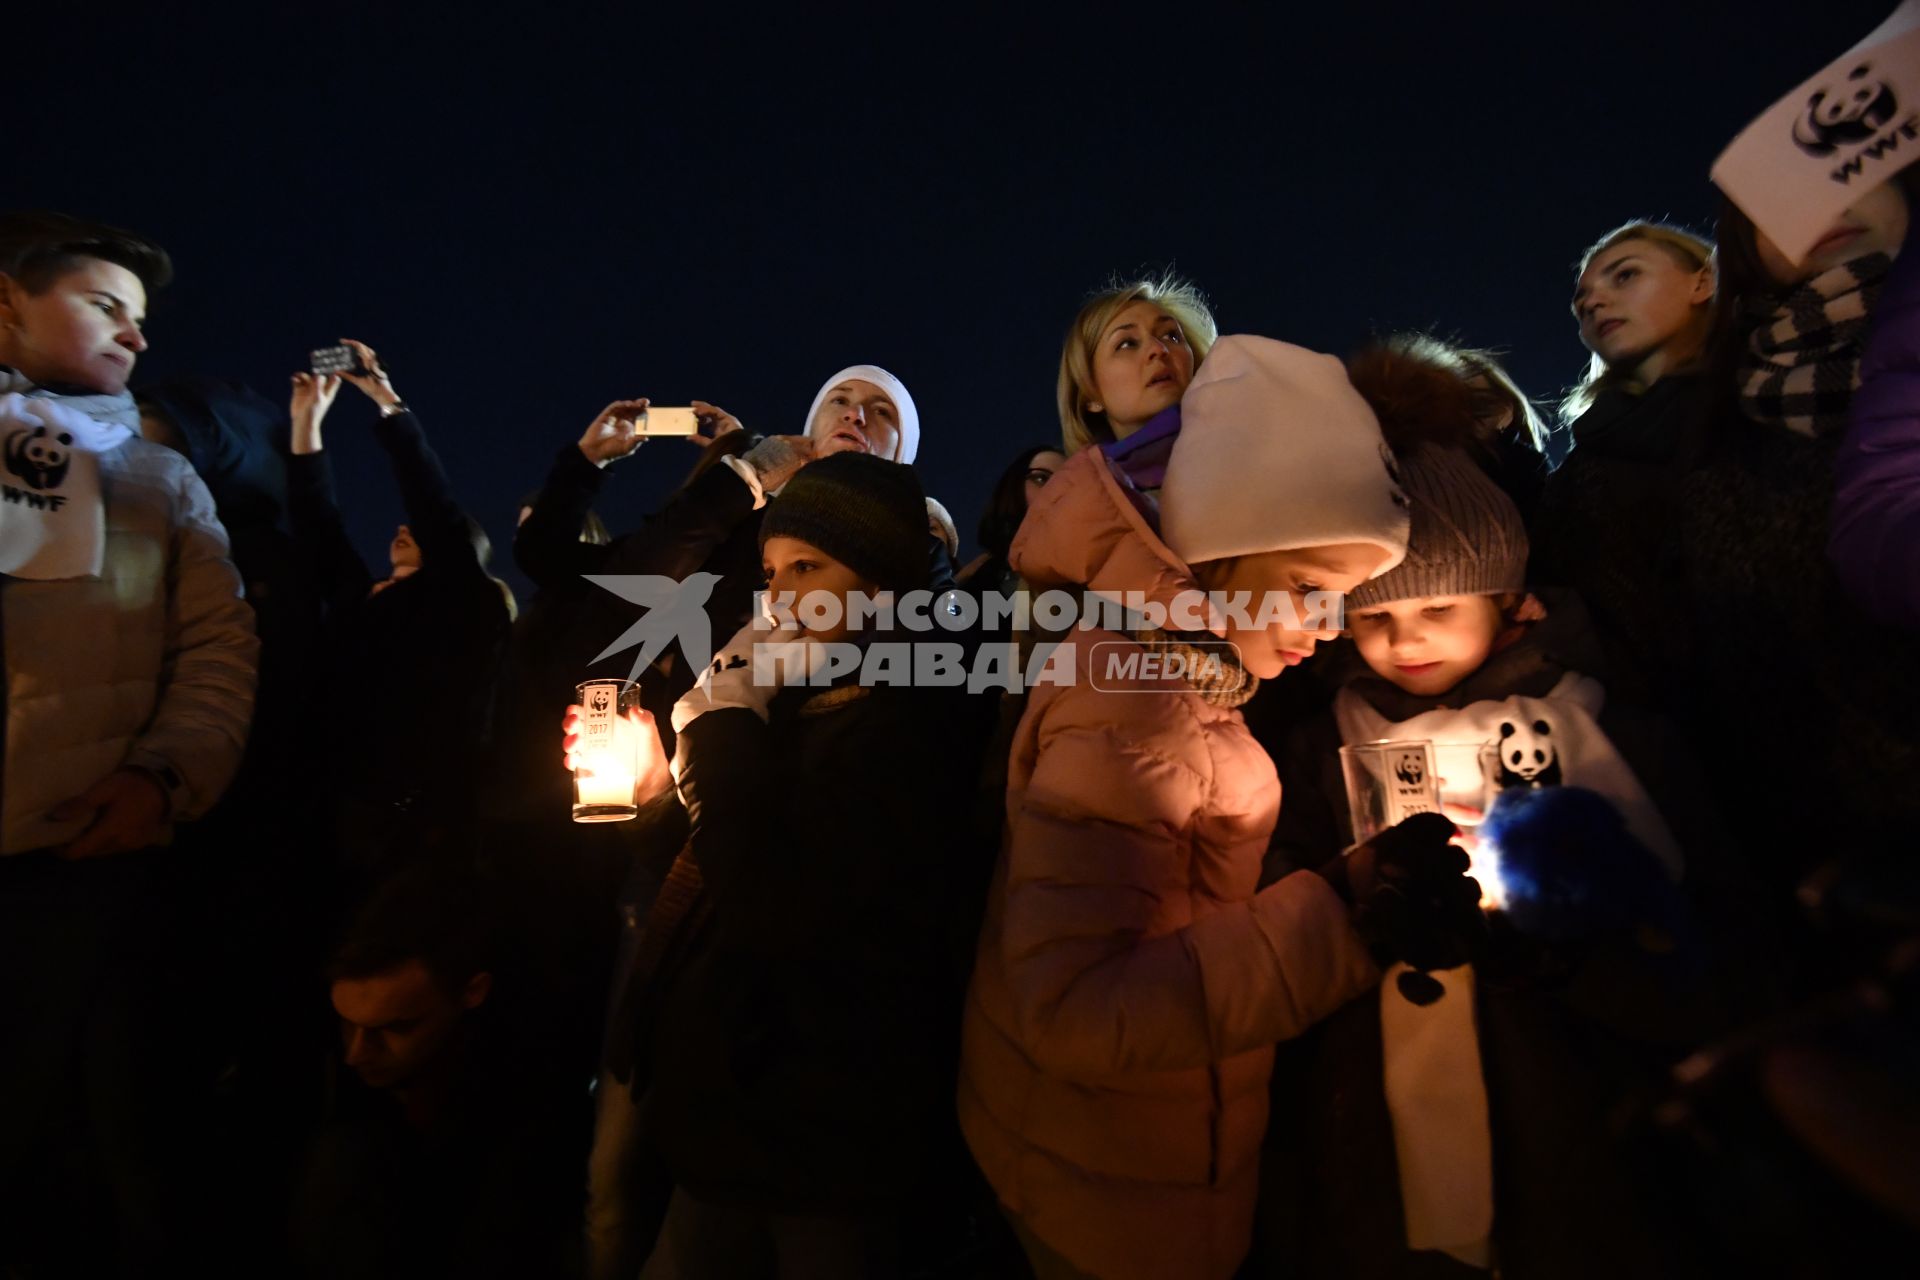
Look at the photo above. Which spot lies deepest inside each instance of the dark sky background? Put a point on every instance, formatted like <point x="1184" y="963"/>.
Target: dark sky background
<point x="534" y="212"/>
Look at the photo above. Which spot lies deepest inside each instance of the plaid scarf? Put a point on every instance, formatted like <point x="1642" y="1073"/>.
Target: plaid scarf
<point x="1212" y="665"/>
<point x="1802" y="364"/>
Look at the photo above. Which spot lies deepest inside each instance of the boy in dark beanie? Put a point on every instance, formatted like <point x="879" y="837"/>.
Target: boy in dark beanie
<point x="791" y="1016"/>
<point x="866" y="512"/>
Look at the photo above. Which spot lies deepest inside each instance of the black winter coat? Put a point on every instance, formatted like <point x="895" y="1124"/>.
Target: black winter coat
<point x="803" y="1047"/>
<point x="1607" y="526"/>
<point x="1806" y="712"/>
<point x="411" y="669"/>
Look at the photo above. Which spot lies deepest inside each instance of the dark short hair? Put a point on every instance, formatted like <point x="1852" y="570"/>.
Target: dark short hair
<point x="37" y="248"/>
<point x="443" y="917"/>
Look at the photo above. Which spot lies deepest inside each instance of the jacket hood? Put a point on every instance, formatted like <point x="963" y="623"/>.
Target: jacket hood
<point x="1085" y="529"/>
<point x="232" y="436"/>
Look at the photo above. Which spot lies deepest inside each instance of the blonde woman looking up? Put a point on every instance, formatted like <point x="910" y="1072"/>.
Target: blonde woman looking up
<point x="1606" y="525"/>
<point x="1128" y="357"/>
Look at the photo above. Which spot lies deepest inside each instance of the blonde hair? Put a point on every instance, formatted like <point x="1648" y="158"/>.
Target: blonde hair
<point x="1689" y="250"/>
<point x="1080" y="427"/>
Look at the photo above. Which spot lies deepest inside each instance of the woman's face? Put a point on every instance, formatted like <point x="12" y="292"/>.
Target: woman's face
<point x="1636" y="300"/>
<point x="1427" y="645"/>
<point x="1877" y="224"/>
<point x="1269" y="650"/>
<point x="1039" y="471"/>
<point x="797" y="569"/>
<point x="404" y="552"/>
<point x="857" y="417"/>
<point x="1141" y="365"/>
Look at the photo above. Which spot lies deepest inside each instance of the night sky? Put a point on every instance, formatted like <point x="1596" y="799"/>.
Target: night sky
<point x="534" y="213"/>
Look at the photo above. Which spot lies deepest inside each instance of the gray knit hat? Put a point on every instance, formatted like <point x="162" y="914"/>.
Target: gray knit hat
<point x="865" y="512"/>
<point x="1466" y="537"/>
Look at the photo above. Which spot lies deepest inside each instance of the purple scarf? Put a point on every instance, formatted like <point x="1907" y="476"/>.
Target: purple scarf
<point x="1142" y="456"/>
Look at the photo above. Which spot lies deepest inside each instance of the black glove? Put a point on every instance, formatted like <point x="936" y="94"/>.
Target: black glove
<point x="1414" y="902"/>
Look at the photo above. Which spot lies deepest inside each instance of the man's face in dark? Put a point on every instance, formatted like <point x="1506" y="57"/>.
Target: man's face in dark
<point x="394" y="1025"/>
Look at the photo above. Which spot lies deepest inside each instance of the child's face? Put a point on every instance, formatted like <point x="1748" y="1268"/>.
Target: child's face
<point x="1428" y="645"/>
<point x="1297" y="573"/>
<point x="802" y="569"/>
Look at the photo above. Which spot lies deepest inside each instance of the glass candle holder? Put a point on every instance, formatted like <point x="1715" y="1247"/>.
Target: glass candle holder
<point x="1388" y="782"/>
<point x="606" y="755"/>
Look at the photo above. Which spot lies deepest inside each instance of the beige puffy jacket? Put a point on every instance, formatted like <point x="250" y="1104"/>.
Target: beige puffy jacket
<point x="1130" y="982"/>
<point x="151" y="664"/>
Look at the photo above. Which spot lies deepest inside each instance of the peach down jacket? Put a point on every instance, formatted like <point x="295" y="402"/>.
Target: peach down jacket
<point x="1130" y="982"/>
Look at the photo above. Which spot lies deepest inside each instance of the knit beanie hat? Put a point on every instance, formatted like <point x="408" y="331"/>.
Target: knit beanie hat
<point x="865" y="512"/>
<point x="1466" y="537"/>
<point x="896" y="391"/>
<point x="1277" y="451"/>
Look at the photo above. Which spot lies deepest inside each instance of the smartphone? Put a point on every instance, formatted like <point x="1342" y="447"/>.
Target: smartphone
<point x="340" y="359"/>
<point x="660" y="421"/>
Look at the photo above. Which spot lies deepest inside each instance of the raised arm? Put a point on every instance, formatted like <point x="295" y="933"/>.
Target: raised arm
<point x="315" y="516"/>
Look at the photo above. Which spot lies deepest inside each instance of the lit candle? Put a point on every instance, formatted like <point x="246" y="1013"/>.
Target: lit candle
<point x="606" y="759"/>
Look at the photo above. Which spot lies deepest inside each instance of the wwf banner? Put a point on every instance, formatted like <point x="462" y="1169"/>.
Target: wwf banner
<point x="52" y="520"/>
<point x="1815" y="152"/>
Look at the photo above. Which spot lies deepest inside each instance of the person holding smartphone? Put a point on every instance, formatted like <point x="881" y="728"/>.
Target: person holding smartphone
<point x="712" y="522"/>
<point x="413" y="655"/>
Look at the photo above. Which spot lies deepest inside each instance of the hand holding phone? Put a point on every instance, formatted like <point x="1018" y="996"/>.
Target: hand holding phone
<point x="659" y="421"/>
<point x="614" y="432"/>
<point x="338" y="360"/>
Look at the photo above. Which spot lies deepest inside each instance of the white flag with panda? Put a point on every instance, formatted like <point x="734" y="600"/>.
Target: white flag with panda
<point x="52" y="518"/>
<point x="1817" y="151"/>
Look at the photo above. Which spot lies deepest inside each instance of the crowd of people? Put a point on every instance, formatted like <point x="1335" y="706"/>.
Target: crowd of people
<point x="306" y="969"/>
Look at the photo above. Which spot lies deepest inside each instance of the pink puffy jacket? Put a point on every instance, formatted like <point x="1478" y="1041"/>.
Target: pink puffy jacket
<point x="1130" y="983"/>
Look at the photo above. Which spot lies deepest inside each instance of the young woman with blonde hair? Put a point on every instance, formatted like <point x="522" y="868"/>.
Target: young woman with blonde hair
<point x="1606" y="524"/>
<point x="1644" y="303"/>
<point x="1128" y="356"/>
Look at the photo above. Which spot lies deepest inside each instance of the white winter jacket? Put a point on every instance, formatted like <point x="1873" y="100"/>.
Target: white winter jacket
<point x="152" y="664"/>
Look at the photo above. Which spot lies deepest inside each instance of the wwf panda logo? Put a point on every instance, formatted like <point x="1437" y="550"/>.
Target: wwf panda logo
<point x="39" y="457"/>
<point x="1410" y="769"/>
<point x="1853" y="112"/>
<point x="1527" y="755"/>
<point x="601" y="699"/>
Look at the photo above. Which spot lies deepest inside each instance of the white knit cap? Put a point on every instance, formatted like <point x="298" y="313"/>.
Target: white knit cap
<point x="1277" y="451"/>
<point x="896" y="391"/>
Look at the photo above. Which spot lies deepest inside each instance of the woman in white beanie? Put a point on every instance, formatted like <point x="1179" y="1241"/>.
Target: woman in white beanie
<point x="1129" y="355"/>
<point x="1130" y="983"/>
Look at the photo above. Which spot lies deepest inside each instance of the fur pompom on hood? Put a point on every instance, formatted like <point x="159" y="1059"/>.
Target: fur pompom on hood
<point x="1419" y="395"/>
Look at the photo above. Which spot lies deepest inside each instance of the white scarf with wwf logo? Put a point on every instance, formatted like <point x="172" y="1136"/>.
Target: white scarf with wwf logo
<point x="53" y="520"/>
